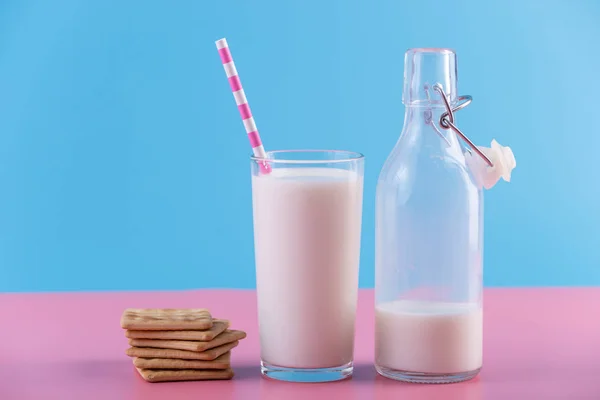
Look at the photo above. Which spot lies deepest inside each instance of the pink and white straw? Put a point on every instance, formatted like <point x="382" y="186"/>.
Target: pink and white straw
<point x="242" y="103"/>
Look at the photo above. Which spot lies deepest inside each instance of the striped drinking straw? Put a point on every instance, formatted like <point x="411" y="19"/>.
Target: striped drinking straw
<point x="240" y="99"/>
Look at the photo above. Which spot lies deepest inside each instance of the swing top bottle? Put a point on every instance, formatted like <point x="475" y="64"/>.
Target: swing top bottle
<point x="429" y="238"/>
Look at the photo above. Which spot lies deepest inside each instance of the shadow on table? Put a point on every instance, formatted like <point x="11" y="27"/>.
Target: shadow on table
<point x="364" y="373"/>
<point x="247" y="372"/>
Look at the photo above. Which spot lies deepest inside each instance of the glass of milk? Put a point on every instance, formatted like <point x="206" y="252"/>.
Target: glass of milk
<point x="429" y="238"/>
<point x="307" y="223"/>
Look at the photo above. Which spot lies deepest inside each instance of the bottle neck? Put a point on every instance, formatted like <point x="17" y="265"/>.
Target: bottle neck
<point x="425" y="68"/>
<point x="426" y="71"/>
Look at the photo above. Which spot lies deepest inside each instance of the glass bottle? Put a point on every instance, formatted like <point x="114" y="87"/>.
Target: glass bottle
<point x="429" y="239"/>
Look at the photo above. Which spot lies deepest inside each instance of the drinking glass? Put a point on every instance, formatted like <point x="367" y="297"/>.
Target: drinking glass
<point x="307" y="222"/>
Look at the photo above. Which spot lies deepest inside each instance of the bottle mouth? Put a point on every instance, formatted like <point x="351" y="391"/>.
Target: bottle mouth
<point x="425" y="67"/>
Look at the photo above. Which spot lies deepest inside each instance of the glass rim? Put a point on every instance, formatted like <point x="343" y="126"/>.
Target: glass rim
<point x="350" y="157"/>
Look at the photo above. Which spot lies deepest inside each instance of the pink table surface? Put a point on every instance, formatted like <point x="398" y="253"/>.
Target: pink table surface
<point x="538" y="344"/>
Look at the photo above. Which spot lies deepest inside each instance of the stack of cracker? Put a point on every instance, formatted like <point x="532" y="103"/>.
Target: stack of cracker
<point x="179" y="344"/>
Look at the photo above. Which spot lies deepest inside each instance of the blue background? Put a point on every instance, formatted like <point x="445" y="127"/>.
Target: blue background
<point x="124" y="163"/>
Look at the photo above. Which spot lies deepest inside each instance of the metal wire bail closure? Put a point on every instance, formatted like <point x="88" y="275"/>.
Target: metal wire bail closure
<point x="447" y="119"/>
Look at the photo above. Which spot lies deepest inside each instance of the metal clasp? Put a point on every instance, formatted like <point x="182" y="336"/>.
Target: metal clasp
<point x="447" y="120"/>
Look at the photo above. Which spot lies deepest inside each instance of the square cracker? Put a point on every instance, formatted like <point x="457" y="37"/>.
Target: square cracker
<point x="166" y="319"/>
<point x="209" y="354"/>
<point x="219" y="325"/>
<point x="221" y="362"/>
<point x="167" y="375"/>
<point x="226" y="337"/>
